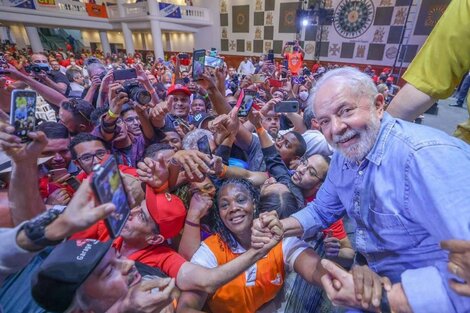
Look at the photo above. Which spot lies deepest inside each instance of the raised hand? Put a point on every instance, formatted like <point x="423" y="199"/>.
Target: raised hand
<point x="158" y="112"/>
<point x="58" y="197"/>
<point x="199" y="205"/>
<point x="153" y="173"/>
<point x="266" y="231"/>
<point x="116" y="98"/>
<point x="17" y="151"/>
<point x="82" y="212"/>
<point x="193" y="162"/>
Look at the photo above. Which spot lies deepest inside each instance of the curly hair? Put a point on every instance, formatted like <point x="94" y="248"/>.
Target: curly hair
<point x="219" y="227"/>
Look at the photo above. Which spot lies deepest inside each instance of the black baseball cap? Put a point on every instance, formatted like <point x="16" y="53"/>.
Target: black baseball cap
<point x="64" y="271"/>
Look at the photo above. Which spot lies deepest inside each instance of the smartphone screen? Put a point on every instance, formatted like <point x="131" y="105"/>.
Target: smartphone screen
<point x="214" y="62"/>
<point x="198" y="63"/>
<point x="248" y="98"/>
<point x="22" y="113"/>
<point x="125" y="74"/>
<point x="286" y="107"/>
<point x="108" y="187"/>
<point x="203" y="146"/>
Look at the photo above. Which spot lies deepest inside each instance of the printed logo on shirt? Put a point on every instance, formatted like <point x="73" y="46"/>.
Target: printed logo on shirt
<point x="277" y="281"/>
<point x="250" y="275"/>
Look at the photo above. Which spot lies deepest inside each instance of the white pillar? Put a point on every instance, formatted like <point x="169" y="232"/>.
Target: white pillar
<point x="105" y="42"/>
<point x="34" y="39"/>
<point x="144" y="42"/>
<point x="153" y="8"/>
<point x="128" y="42"/>
<point x="157" y="39"/>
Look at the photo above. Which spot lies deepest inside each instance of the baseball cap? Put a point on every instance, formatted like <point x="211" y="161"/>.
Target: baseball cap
<point x="200" y="118"/>
<point x="390" y="79"/>
<point x="167" y="211"/>
<point x="64" y="271"/>
<point x="5" y="162"/>
<point x="178" y="87"/>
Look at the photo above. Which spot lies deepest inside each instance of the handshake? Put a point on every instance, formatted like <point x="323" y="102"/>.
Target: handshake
<point x="267" y="231"/>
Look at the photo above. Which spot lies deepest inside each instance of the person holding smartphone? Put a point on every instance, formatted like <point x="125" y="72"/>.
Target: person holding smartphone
<point x="295" y="58"/>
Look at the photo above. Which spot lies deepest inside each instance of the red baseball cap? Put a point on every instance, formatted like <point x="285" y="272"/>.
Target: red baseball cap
<point x="390" y="79"/>
<point x="167" y="211"/>
<point x="178" y="87"/>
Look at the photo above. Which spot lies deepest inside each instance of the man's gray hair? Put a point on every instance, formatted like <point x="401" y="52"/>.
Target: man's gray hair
<point x="191" y="138"/>
<point x="359" y="84"/>
<point x="308" y="115"/>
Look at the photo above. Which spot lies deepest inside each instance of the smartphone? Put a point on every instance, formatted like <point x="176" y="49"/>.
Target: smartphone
<point x="291" y="43"/>
<point x="214" y="62"/>
<point x="259" y="78"/>
<point x="73" y="182"/>
<point x="245" y="102"/>
<point x="108" y="187"/>
<point x="203" y="146"/>
<point x="286" y="107"/>
<point x="125" y="74"/>
<point x="22" y="112"/>
<point x="198" y="63"/>
<point x="57" y="173"/>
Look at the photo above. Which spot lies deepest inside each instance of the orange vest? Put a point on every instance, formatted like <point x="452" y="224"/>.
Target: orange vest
<point x="243" y="295"/>
<point x="295" y="61"/>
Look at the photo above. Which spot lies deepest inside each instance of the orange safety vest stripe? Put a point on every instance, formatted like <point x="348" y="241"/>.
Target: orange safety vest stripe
<point x="240" y="296"/>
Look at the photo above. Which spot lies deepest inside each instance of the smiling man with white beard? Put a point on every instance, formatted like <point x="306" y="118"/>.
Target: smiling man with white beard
<point x="406" y="187"/>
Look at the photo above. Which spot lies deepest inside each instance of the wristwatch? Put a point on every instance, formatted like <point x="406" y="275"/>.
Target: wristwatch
<point x="35" y="228"/>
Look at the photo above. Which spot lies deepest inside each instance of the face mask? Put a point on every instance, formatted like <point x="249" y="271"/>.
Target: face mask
<point x="261" y="63"/>
<point x="167" y="86"/>
<point x="303" y="95"/>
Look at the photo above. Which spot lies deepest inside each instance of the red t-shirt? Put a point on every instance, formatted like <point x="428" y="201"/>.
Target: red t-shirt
<point x="337" y="228"/>
<point x="160" y="256"/>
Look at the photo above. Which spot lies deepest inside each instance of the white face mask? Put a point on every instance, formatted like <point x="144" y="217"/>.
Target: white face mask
<point x="303" y="95"/>
<point x="167" y="86"/>
<point x="261" y="63"/>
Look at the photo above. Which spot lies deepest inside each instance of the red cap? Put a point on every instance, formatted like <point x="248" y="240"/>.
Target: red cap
<point x="176" y="88"/>
<point x="167" y="211"/>
<point x="390" y="79"/>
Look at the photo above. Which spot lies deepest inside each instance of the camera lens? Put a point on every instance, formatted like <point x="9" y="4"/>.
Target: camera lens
<point x="141" y="95"/>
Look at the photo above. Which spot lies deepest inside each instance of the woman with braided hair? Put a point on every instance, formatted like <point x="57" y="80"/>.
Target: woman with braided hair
<point x="237" y="203"/>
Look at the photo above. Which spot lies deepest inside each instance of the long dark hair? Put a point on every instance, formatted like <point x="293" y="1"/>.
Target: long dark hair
<point x="219" y="226"/>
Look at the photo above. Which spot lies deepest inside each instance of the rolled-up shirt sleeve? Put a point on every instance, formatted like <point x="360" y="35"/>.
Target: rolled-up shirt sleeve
<point x="428" y="291"/>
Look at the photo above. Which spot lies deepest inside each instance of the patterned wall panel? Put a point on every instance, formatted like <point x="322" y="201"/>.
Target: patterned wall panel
<point x="362" y="31"/>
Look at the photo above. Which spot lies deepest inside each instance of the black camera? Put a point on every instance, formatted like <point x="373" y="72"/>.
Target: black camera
<point x="136" y="92"/>
<point x="37" y="68"/>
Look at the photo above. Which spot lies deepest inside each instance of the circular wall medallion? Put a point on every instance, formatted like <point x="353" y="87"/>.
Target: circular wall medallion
<point x="240" y="19"/>
<point x="309" y="48"/>
<point x="391" y="52"/>
<point x="353" y="17"/>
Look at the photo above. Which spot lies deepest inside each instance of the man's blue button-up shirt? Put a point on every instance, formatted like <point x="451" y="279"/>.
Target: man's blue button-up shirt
<point x="411" y="191"/>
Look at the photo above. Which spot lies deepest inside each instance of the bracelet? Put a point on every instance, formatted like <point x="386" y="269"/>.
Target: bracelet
<point x="162" y="188"/>
<point x="260" y="130"/>
<point x="112" y="114"/>
<point x="224" y="171"/>
<point x="192" y="224"/>
<point x="384" y="304"/>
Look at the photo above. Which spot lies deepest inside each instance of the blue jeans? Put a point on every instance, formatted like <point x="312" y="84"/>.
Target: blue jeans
<point x="463" y="90"/>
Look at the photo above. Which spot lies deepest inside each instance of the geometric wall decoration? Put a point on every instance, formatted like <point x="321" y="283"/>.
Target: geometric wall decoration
<point x="361" y="31"/>
<point x="241" y="18"/>
<point x="287" y="17"/>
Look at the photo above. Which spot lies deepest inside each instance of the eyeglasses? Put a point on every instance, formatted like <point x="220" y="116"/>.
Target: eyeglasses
<point x="41" y="61"/>
<point x="73" y="105"/>
<point x="88" y="157"/>
<point x="311" y="170"/>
